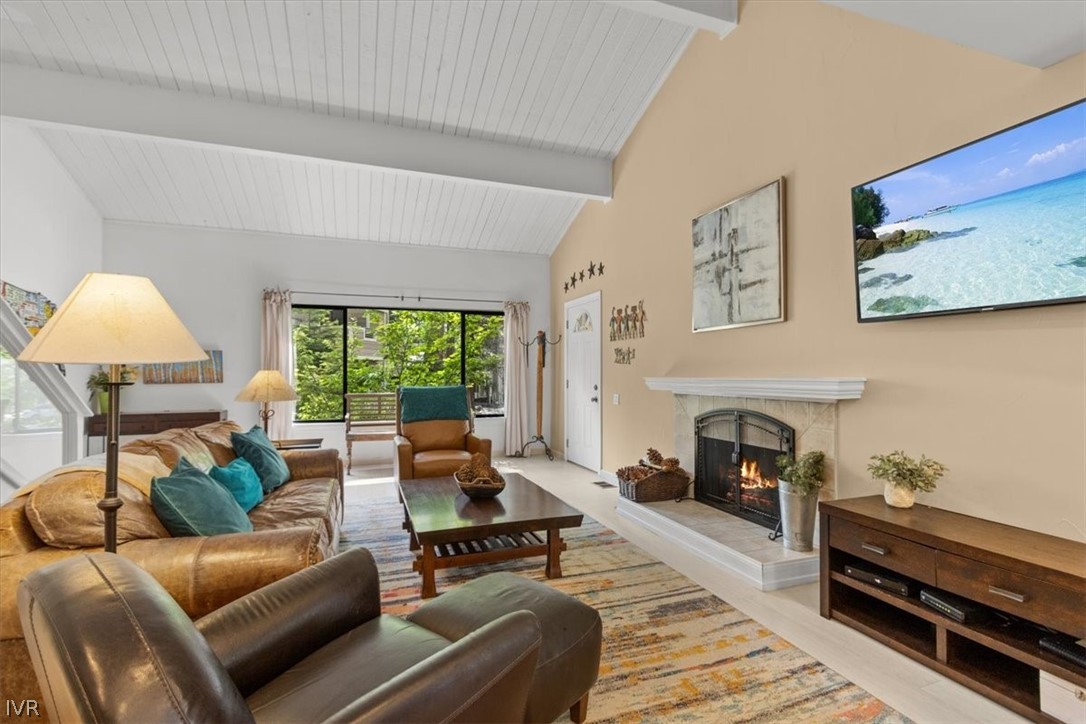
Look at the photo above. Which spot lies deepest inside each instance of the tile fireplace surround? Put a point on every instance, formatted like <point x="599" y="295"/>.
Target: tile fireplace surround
<point x="809" y="405"/>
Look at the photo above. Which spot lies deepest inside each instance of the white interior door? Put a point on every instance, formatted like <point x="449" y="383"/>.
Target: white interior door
<point x="582" y="366"/>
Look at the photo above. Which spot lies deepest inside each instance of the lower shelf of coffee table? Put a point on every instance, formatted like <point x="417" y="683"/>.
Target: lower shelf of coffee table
<point x="488" y="550"/>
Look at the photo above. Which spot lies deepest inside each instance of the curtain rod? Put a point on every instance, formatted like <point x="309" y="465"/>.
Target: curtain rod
<point x="401" y="297"/>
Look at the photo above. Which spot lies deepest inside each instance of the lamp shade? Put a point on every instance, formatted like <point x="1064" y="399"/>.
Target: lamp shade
<point x="267" y="386"/>
<point x="113" y="319"/>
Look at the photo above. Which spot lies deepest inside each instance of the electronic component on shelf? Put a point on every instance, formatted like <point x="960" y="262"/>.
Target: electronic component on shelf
<point x="881" y="580"/>
<point x="1065" y="647"/>
<point x="959" y="609"/>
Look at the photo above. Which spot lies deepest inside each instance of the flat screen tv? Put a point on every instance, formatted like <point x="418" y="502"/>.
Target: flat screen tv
<point x="995" y="224"/>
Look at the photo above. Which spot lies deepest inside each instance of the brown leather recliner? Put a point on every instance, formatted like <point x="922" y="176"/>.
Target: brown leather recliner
<point x="110" y="644"/>
<point x="432" y="447"/>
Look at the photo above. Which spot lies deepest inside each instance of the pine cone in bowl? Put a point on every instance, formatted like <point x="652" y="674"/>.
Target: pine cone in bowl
<point x="478" y="479"/>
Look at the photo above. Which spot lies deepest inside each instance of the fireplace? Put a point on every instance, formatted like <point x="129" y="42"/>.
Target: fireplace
<point x="735" y="463"/>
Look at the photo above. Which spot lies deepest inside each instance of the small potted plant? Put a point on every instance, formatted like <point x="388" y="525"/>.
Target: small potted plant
<point x="98" y="383"/>
<point x="798" y="482"/>
<point x="904" y="476"/>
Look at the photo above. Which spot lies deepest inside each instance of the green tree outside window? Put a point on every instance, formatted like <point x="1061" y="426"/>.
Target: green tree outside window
<point x="388" y="348"/>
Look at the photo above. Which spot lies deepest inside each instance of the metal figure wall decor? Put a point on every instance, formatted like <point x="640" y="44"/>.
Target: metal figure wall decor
<point x="540" y="362"/>
<point x="625" y="356"/>
<point x="628" y="322"/>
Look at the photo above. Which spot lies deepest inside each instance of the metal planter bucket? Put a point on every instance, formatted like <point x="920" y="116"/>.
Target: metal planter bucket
<point x="797" y="517"/>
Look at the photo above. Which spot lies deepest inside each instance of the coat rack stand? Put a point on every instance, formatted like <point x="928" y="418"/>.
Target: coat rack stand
<point x="540" y="362"/>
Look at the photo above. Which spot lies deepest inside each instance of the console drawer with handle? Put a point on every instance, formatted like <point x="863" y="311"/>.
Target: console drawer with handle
<point x="889" y="551"/>
<point x="1038" y="601"/>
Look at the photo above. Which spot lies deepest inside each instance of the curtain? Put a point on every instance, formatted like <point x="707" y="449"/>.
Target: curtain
<point x="277" y="353"/>
<point x="516" y="377"/>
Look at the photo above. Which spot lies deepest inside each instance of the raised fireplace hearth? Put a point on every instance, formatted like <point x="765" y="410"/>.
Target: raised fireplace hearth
<point x="806" y="405"/>
<point x="735" y="463"/>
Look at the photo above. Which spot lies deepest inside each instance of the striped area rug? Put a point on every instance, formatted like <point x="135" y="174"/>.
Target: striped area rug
<point x="672" y="651"/>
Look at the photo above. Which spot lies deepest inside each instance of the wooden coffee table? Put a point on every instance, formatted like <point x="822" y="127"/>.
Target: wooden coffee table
<point x="454" y="530"/>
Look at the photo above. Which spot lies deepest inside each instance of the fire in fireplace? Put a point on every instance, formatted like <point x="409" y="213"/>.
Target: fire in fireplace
<point x="736" y="468"/>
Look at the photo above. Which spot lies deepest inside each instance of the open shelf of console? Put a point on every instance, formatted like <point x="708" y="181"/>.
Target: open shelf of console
<point x="1025" y="581"/>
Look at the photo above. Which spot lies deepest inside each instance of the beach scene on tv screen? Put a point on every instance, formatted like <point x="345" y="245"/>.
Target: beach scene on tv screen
<point x="998" y="222"/>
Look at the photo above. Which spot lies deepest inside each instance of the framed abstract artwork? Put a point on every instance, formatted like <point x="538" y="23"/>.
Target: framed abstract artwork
<point x="177" y="373"/>
<point x="739" y="261"/>
<point x="32" y="308"/>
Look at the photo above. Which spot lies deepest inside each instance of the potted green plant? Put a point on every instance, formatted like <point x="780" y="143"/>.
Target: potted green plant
<point x="798" y="482"/>
<point x="904" y="476"/>
<point x="98" y="383"/>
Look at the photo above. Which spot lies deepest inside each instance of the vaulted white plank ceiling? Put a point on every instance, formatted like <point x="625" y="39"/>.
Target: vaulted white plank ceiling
<point x="139" y="179"/>
<point x="570" y="78"/>
<point x="477" y="124"/>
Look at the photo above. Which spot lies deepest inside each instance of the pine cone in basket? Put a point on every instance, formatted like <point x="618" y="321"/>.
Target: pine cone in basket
<point x="633" y="473"/>
<point x="670" y="464"/>
<point x="654" y="456"/>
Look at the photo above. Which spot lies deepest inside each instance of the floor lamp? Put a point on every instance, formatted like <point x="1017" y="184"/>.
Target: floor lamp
<point x="114" y="320"/>
<point x="267" y="386"/>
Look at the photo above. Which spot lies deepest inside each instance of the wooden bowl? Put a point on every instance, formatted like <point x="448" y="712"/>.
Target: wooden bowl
<point x="481" y="487"/>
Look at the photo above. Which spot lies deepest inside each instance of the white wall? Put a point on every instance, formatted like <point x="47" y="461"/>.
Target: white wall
<point x="50" y="236"/>
<point x="214" y="279"/>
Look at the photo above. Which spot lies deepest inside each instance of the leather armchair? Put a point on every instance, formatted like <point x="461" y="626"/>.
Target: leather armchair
<point x="108" y="643"/>
<point x="432" y="448"/>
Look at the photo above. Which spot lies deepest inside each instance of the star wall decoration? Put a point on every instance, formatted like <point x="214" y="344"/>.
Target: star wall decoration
<point x="594" y="269"/>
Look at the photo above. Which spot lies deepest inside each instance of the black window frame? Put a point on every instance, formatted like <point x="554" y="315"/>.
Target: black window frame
<point x="343" y="310"/>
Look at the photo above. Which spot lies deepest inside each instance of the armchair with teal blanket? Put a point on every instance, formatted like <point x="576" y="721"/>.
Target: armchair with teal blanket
<point x="434" y="431"/>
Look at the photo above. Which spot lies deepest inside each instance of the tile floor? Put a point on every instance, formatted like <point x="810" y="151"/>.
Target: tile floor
<point x="911" y="688"/>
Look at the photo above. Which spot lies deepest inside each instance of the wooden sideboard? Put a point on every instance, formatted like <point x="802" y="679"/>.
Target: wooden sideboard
<point x="148" y="423"/>
<point x="1040" y="580"/>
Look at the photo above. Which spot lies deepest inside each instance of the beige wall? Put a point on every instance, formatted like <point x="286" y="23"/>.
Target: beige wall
<point x="829" y="99"/>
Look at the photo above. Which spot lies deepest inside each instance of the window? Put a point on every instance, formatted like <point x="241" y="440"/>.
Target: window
<point x="23" y="406"/>
<point x="360" y="349"/>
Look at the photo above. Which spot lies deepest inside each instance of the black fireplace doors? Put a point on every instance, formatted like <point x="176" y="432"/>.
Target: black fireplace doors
<point x="736" y="469"/>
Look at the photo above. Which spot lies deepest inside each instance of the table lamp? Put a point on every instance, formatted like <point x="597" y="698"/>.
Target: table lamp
<point x="114" y="320"/>
<point x="265" y="387"/>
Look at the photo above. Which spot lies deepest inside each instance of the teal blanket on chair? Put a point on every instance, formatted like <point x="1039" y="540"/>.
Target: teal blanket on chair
<point x="433" y="403"/>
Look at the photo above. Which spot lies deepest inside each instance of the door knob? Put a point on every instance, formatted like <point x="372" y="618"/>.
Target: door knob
<point x="595" y="399"/>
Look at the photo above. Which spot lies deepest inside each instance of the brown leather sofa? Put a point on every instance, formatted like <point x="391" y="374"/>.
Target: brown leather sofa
<point x="296" y="526"/>
<point x="435" y="448"/>
<point x="109" y="644"/>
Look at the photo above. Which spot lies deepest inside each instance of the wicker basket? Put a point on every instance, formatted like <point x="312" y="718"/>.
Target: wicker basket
<point x="661" y="485"/>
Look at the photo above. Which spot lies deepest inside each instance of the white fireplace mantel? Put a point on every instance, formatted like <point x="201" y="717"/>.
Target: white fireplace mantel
<point x="808" y="389"/>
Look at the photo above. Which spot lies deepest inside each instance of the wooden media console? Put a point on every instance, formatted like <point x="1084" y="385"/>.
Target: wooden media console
<point x="1022" y="579"/>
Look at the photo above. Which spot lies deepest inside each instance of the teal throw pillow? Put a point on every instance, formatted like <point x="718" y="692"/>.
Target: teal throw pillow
<point x="255" y="447"/>
<point x="189" y="502"/>
<point x="241" y="480"/>
<point x="433" y="403"/>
